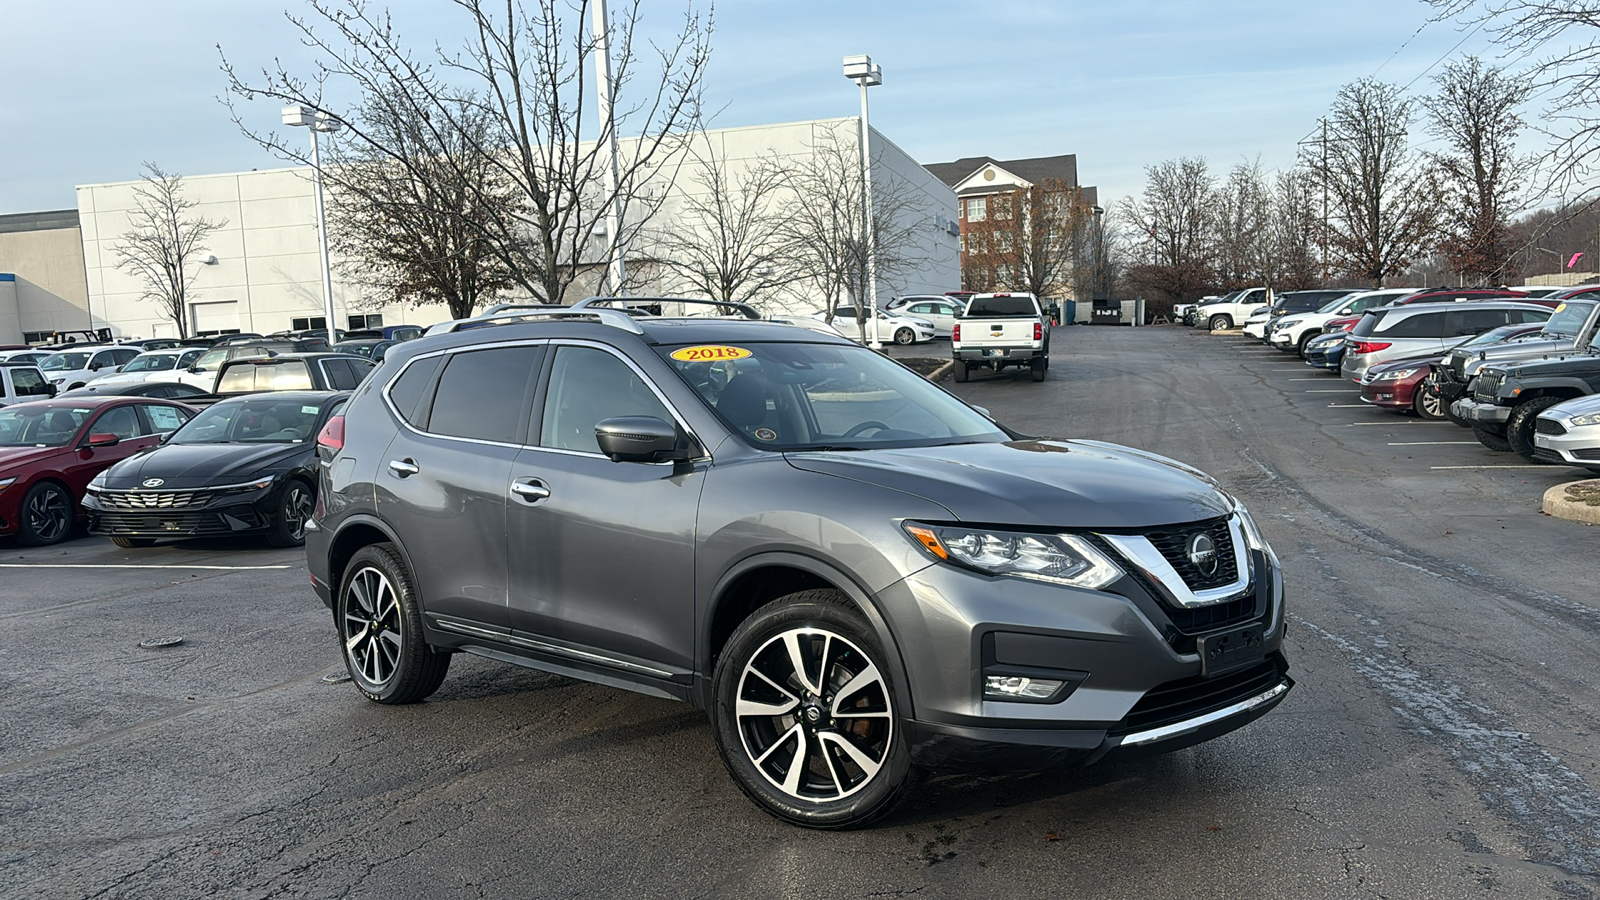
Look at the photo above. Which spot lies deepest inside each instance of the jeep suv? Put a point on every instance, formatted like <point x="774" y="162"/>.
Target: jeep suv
<point x="856" y="574"/>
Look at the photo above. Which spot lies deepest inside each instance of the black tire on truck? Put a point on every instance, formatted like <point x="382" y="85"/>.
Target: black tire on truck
<point x="1495" y="442"/>
<point x="1037" y="367"/>
<point x="960" y="372"/>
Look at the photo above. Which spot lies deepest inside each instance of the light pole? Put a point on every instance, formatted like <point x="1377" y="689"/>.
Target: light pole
<point x="316" y="120"/>
<point x="864" y="72"/>
<point x="616" y="272"/>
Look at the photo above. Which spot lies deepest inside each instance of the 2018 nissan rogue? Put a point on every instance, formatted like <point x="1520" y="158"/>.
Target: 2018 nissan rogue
<point x="858" y="575"/>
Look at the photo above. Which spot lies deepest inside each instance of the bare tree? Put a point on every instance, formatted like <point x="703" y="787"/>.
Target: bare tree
<point x="529" y="65"/>
<point x="1030" y="239"/>
<point x="1296" y="231"/>
<point x="726" y="238"/>
<point x="1475" y="114"/>
<point x="825" y="216"/>
<point x="1245" y="255"/>
<point x="1171" y="230"/>
<point x="165" y="244"/>
<point x="409" y="232"/>
<point x="1382" y="198"/>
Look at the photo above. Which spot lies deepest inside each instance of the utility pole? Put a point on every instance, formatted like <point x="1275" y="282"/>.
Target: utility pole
<point x="1324" y="180"/>
<point x="616" y="272"/>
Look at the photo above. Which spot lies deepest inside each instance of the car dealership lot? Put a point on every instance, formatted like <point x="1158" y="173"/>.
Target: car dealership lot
<point x="1439" y="741"/>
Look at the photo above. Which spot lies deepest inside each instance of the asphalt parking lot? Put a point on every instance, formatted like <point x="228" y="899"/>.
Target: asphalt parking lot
<point x="1440" y="741"/>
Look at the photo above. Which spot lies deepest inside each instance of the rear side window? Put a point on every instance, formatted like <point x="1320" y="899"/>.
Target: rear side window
<point x="1423" y="325"/>
<point x="483" y="394"/>
<point x="406" y="392"/>
<point x="339" y="374"/>
<point x="1477" y="321"/>
<point x="165" y="418"/>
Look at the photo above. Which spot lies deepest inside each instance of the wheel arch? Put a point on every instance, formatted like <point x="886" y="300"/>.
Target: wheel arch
<point x="756" y="581"/>
<point x="353" y="534"/>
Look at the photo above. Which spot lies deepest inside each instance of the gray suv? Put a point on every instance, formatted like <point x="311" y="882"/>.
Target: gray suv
<point x="856" y="574"/>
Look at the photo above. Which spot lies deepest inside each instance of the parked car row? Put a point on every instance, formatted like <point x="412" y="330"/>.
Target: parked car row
<point x="1522" y="372"/>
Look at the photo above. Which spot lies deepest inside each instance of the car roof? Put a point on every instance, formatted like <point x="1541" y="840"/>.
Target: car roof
<point x="1497" y="303"/>
<point x="318" y="397"/>
<point x="648" y="330"/>
<point x="94" y="400"/>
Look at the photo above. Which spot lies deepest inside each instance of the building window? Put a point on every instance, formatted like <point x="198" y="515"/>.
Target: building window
<point x="371" y="320"/>
<point x="308" y="323"/>
<point x="976" y="208"/>
<point x="963" y="239"/>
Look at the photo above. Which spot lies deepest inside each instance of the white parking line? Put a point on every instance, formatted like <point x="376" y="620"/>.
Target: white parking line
<point x="1360" y="424"/>
<point x="1427" y="443"/>
<point x="1488" y="467"/>
<point x="1350" y="406"/>
<point x="1330" y="390"/>
<point x="131" y="566"/>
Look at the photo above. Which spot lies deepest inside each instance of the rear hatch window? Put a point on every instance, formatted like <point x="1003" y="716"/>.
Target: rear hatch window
<point x="997" y="307"/>
<point x="289" y="375"/>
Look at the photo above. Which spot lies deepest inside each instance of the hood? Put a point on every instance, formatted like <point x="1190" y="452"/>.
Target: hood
<point x="1572" y="362"/>
<point x="13" y="458"/>
<point x="1500" y="354"/>
<point x="1069" y="484"/>
<point x="201" y="465"/>
<point x="1581" y="406"/>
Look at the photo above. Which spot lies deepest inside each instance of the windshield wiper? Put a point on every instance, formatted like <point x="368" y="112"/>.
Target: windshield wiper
<point x="825" y="448"/>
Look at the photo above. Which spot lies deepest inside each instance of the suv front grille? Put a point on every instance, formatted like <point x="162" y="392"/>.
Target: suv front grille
<point x="1486" y="386"/>
<point x="1548" y="426"/>
<point x="1173" y="545"/>
<point x="151" y="500"/>
<point x="1187" y="698"/>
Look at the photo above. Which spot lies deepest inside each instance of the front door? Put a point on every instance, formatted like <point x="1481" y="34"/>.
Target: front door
<point x="602" y="553"/>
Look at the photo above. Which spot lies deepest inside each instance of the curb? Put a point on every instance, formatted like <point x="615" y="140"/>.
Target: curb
<point x="1578" y="501"/>
<point x="937" y="375"/>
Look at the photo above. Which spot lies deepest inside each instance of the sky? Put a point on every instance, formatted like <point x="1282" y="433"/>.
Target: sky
<point x="90" y="89"/>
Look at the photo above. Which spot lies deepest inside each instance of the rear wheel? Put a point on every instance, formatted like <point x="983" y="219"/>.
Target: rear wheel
<point x="1036" y="367"/>
<point x="1220" y="322"/>
<point x="1490" y="439"/>
<point x="46" y="515"/>
<point x="960" y="371"/>
<point x="1519" y="428"/>
<point x="805" y="716"/>
<point x="380" y="630"/>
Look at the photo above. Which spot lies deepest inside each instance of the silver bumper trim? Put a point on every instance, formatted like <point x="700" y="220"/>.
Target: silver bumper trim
<point x="1198" y="722"/>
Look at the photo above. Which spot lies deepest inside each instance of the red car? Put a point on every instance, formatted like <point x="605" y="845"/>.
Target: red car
<point x="50" y="449"/>
<point x="1393" y="386"/>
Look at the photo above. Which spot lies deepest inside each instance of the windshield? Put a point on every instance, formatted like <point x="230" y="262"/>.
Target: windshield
<point x="1568" y="318"/>
<point x="784" y="396"/>
<point x="40" y="426"/>
<point x="153" y="363"/>
<point x="995" y="307"/>
<point x="258" y="420"/>
<point x="58" y="362"/>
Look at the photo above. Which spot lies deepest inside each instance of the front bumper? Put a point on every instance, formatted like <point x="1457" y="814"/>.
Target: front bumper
<point x="1128" y="654"/>
<point x="1482" y="413"/>
<point x="187" y="514"/>
<point x="1576" y="445"/>
<point x="1397" y="395"/>
<point x="1257" y="330"/>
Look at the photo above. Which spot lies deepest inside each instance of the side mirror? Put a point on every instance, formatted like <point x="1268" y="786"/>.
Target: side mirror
<point x="104" y="439"/>
<point x="195" y="370"/>
<point x="985" y="412"/>
<point x="164" y="436"/>
<point x="49" y="390"/>
<point x="94" y="367"/>
<point x="639" y="439"/>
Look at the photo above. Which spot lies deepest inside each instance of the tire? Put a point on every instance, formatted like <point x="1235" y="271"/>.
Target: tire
<point x="1519" y="428"/>
<point x="1451" y="415"/>
<point x="904" y="336"/>
<point x="289" y="522"/>
<point x="795" y="747"/>
<point x="46" y="515"/>
<point x="379" y="622"/>
<point x="1427" y="404"/>
<point x="1219" y="322"/>
<point x="1037" y="367"/>
<point x="960" y="372"/>
<point x="129" y="543"/>
<point x="1495" y="442"/>
<point x="1305" y="339"/>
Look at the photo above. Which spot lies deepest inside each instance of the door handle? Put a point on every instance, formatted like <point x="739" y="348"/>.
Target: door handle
<point x="403" y="467"/>
<point x="531" y="490"/>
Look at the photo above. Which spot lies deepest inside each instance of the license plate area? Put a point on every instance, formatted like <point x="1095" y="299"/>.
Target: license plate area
<point x="995" y="352"/>
<point x="1227" y="651"/>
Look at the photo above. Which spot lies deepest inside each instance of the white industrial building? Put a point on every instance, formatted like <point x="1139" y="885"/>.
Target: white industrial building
<point x="261" y="271"/>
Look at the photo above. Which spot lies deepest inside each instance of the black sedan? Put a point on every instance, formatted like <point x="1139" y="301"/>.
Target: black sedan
<point x="165" y="390"/>
<point x="246" y="465"/>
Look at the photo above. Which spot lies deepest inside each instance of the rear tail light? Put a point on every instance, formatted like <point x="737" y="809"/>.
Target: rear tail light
<point x="955" y="332"/>
<point x="331" y="438"/>
<point x="1369" y="346"/>
<point x="1038" y="331"/>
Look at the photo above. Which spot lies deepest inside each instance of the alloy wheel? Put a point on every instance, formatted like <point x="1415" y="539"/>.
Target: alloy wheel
<point x="297" y="508"/>
<point x="814" y="714"/>
<point x="372" y="628"/>
<point x="49" y="515"/>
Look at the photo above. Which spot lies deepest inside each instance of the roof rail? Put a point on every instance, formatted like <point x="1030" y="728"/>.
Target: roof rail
<point x="616" y="318"/>
<point x="744" y="309"/>
<point x="514" y="307"/>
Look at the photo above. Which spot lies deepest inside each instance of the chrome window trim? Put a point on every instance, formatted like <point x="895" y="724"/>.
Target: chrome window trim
<point x="677" y="417"/>
<point x="1138" y="550"/>
<point x="450" y="351"/>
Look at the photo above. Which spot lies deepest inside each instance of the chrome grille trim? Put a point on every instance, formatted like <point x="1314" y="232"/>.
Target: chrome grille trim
<point x="1138" y="550"/>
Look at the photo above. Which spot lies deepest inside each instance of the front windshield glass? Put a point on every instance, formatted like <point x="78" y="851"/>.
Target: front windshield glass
<point x="257" y="420"/>
<point x="154" y="363"/>
<point x="1569" y="317"/>
<point x="40" y="426"/>
<point x="1334" y="304"/>
<point x="64" y="362"/>
<point x="791" y="396"/>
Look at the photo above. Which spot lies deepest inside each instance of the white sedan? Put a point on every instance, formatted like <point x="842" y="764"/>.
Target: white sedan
<point x="1569" y="433"/>
<point x="891" y="326"/>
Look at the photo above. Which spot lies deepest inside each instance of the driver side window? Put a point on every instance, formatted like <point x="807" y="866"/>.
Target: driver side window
<point x="586" y="387"/>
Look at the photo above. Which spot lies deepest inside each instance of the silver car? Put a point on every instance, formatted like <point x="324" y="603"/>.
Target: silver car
<point x="1569" y="433"/>
<point x="1414" y="329"/>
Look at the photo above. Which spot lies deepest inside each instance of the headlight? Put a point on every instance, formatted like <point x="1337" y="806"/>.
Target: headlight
<point x="247" y="488"/>
<point x="1398" y="375"/>
<point x="98" y="483"/>
<point x="1059" y="558"/>
<point x="6" y="482"/>
<point x="1591" y="419"/>
<point x="1252" y="534"/>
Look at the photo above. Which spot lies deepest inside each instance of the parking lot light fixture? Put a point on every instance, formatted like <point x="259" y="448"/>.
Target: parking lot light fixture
<point x="315" y="120"/>
<point x="866" y="73"/>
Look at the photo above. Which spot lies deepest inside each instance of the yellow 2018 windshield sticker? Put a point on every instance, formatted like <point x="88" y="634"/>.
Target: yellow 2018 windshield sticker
<point x="709" y="353"/>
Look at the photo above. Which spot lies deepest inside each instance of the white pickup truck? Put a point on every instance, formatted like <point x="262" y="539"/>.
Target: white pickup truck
<point x="1000" y="330"/>
<point x="21" y="383"/>
<point x="1232" y="310"/>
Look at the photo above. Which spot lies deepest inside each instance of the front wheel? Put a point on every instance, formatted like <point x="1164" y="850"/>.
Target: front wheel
<point x="1519" y="428"/>
<point x="294" y="508"/>
<point x="1218" y="323"/>
<point x="1495" y="442"/>
<point x="380" y="630"/>
<point x="1428" y="405"/>
<point x="46" y="515"/>
<point x="904" y="336"/>
<point x="805" y="717"/>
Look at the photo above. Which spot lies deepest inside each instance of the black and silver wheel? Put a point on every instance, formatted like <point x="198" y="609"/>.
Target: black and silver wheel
<point x="1519" y="428"/>
<point x="805" y="715"/>
<point x="1219" y="322"/>
<point x="294" y="508"/>
<point x="904" y="336"/>
<point x="46" y="515"/>
<point x="1426" y="402"/>
<point x="380" y="630"/>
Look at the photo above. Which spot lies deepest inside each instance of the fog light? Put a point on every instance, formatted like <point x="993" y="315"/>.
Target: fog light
<point x="1018" y="687"/>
